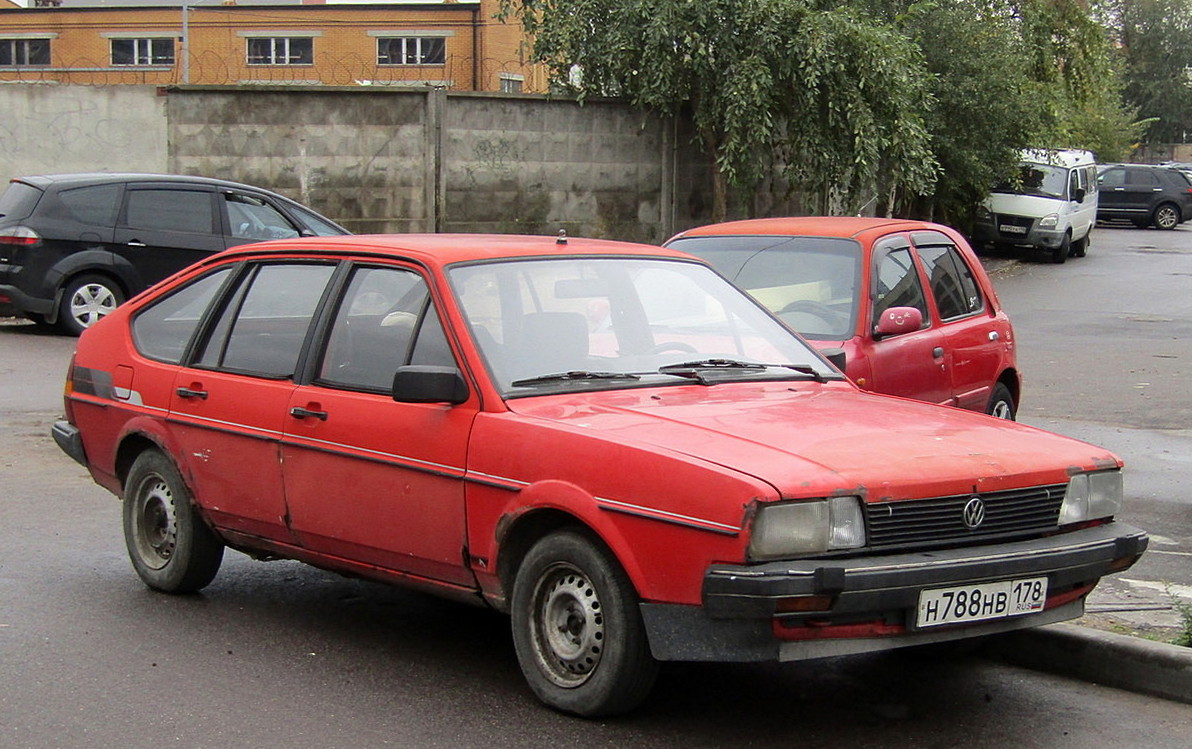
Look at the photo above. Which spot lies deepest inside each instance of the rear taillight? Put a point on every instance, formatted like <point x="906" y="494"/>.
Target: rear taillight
<point x="21" y="236"/>
<point x="68" y="390"/>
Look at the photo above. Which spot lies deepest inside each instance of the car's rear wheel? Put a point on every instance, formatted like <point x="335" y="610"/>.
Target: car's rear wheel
<point x="577" y="628"/>
<point x="171" y="548"/>
<point x="1166" y="216"/>
<point x="1001" y="403"/>
<point x="85" y="300"/>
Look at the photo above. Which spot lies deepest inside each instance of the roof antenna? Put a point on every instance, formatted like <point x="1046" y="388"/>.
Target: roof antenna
<point x="562" y="237"/>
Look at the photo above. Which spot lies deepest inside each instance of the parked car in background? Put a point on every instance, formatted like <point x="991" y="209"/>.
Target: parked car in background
<point x="1146" y="195"/>
<point x="1049" y="205"/>
<point x="907" y="301"/>
<point x="609" y="442"/>
<point x="73" y="246"/>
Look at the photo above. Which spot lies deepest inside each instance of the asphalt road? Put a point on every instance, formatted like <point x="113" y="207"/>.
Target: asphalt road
<point x="279" y="654"/>
<point x="1105" y="345"/>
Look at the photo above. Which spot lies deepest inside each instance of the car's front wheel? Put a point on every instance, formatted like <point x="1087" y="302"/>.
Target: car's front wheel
<point x="87" y="299"/>
<point x="171" y="548"/>
<point x="577" y="628"/>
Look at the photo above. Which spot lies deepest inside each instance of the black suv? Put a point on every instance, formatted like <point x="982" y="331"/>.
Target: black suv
<point x="73" y="246"/>
<point x="1147" y="195"/>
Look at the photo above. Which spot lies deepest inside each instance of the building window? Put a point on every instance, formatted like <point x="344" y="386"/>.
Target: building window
<point x="143" y="51"/>
<point x="511" y="84"/>
<point x="14" y="52"/>
<point x="411" y="50"/>
<point x="281" y="51"/>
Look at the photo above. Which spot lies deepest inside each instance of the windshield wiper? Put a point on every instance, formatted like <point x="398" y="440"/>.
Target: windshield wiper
<point x="696" y="369"/>
<point x="712" y="364"/>
<point x="575" y="374"/>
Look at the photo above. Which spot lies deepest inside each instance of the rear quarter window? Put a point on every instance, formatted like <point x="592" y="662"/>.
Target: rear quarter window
<point x="163" y="330"/>
<point x="18" y="200"/>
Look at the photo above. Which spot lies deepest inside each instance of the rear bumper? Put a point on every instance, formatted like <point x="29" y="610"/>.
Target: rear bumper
<point x="869" y="603"/>
<point x="18" y="302"/>
<point x="70" y="440"/>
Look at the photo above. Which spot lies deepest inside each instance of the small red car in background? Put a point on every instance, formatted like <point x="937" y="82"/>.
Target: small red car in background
<point x="610" y="442"/>
<point x="907" y="301"/>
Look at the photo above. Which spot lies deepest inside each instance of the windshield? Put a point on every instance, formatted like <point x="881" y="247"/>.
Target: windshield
<point x="600" y="323"/>
<point x="811" y="283"/>
<point x="1043" y="180"/>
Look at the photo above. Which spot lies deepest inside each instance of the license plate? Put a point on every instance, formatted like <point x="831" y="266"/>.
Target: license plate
<point x="981" y="601"/>
<point x="1012" y="229"/>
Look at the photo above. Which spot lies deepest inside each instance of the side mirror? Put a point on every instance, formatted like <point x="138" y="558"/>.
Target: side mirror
<point x="898" y="320"/>
<point x="1078" y="195"/>
<point x="424" y="383"/>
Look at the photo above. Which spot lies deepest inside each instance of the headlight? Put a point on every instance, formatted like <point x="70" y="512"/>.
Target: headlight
<point x="983" y="214"/>
<point x="1049" y="221"/>
<point x="1091" y="496"/>
<point x="800" y="528"/>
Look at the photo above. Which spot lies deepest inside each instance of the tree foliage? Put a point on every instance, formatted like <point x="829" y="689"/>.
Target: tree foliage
<point x="924" y="103"/>
<point x="841" y="97"/>
<point x="1156" y="45"/>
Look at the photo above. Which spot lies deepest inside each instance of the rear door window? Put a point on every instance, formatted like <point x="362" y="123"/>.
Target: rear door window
<point x="263" y="327"/>
<point x="170" y="210"/>
<point x="96" y="204"/>
<point x="952" y="283"/>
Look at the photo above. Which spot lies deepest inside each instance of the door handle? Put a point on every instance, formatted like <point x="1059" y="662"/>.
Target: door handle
<point x="938" y="352"/>
<point x="304" y="413"/>
<point x="994" y="336"/>
<point x="135" y="243"/>
<point x="191" y="393"/>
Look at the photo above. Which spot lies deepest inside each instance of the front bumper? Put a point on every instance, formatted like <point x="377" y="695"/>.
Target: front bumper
<point x="1018" y="231"/>
<point x="869" y="603"/>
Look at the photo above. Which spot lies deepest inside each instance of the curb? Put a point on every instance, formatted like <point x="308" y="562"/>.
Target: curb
<point x="1131" y="663"/>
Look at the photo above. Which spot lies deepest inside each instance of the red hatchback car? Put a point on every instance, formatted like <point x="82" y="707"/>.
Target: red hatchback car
<point x="907" y="301"/>
<point x="610" y="442"/>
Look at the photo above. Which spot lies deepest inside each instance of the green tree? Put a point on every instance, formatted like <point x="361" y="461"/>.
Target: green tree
<point x="839" y="98"/>
<point x="1156" y="45"/>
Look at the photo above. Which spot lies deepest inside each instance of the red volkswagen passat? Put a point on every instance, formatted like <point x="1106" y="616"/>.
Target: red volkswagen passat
<point x="609" y="442"/>
<point x="906" y="302"/>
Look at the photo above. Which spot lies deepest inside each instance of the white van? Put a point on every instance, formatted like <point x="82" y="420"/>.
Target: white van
<point x="1051" y="206"/>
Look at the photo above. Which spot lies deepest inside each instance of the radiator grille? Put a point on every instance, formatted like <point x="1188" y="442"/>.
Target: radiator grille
<point x="940" y="521"/>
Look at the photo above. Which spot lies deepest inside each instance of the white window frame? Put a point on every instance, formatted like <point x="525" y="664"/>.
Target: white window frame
<point x="23" y="42"/>
<point x="412" y="42"/>
<point x="279" y="54"/>
<point x="143" y="50"/>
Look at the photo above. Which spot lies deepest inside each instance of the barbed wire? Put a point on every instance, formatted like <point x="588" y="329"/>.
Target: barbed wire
<point x="458" y="72"/>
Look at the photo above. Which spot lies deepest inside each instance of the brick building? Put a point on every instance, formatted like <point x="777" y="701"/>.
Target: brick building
<point x="454" y="44"/>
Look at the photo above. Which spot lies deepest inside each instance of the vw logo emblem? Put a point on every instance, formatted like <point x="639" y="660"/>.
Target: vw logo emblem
<point x="974" y="513"/>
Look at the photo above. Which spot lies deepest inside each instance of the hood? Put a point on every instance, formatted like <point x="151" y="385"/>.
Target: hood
<point x="1023" y="205"/>
<point x="809" y="439"/>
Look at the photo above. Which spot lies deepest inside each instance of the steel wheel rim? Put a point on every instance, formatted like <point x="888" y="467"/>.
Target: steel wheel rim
<point x="567" y="626"/>
<point x="155" y="523"/>
<point x="91" y="302"/>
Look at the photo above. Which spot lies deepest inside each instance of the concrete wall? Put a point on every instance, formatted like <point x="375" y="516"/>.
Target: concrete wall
<point x="383" y="160"/>
<point x="56" y="129"/>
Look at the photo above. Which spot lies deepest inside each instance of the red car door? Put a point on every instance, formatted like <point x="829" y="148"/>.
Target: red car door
<point x="228" y="409"/>
<point x="913" y="364"/>
<point x="367" y="478"/>
<point x="975" y="339"/>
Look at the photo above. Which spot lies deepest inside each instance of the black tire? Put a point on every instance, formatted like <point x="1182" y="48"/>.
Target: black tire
<point x="577" y="628"/>
<point x="1080" y="247"/>
<point x="171" y="548"/>
<point x="1166" y="216"/>
<point x="85" y="300"/>
<point x="1060" y="254"/>
<point x="1001" y="403"/>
